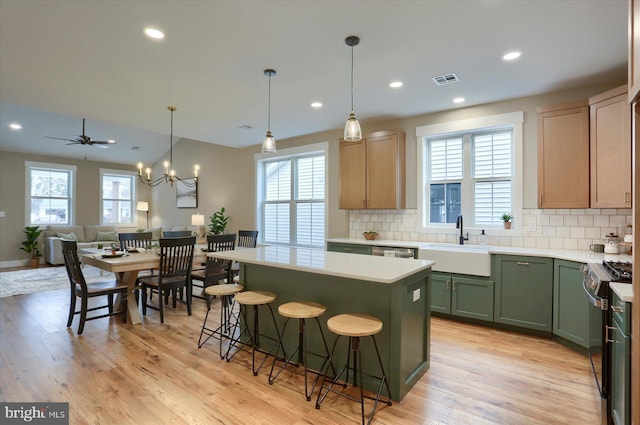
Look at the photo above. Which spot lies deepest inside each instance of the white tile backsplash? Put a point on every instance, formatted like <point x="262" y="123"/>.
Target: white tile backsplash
<point x="554" y="228"/>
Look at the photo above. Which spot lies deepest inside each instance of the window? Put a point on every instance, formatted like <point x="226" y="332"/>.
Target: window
<point x="50" y="189"/>
<point x="118" y="192"/>
<point x="291" y="198"/>
<point x="469" y="168"/>
<point x="487" y="173"/>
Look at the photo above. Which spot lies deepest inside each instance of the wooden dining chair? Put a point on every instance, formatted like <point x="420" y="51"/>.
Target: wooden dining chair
<point x="247" y="238"/>
<point x="176" y="258"/>
<point x="80" y="289"/>
<point x="177" y="234"/>
<point x="208" y="275"/>
<point x="134" y="240"/>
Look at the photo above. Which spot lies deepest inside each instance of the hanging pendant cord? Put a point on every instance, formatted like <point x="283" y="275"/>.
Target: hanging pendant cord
<point x="171" y="143"/>
<point x="351" y="78"/>
<point x="269" y="107"/>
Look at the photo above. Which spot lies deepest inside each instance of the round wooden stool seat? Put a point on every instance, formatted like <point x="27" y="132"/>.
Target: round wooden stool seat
<point x="301" y="310"/>
<point x="255" y="297"/>
<point x="225" y="289"/>
<point x="354" y="325"/>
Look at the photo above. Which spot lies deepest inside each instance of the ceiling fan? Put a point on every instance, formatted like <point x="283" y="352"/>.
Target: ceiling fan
<point x="85" y="140"/>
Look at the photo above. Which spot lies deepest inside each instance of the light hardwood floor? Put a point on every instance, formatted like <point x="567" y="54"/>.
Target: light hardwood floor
<point x="154" y="374"/>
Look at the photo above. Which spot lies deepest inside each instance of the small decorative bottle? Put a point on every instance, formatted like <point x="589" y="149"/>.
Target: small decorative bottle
<point x="482" y="238"/>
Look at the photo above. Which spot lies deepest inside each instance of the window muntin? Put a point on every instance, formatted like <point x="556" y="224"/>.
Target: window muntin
<point x="470" y="174"/>
<point x="293" y="205"/>
<point x="117" y="197"/>
<point x="50" y="193"/>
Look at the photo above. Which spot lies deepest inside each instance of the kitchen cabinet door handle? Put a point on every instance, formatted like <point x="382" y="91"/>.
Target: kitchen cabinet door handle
<point x="448" y="285"/>
<point x="540" y="199"/>
<point x="522" y="263"/>
<point x="606" y="334"/>
<point x="454" y="285"/>
<point x="626" y="197"/>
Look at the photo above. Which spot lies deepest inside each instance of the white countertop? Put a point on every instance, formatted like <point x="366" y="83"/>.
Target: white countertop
<point x="623" y="290"/>
<point x="351" y="266"/>
<point x="560" y="254"/>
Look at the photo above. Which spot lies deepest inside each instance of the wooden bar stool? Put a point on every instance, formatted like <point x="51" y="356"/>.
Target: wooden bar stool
<point x="355" y="326"/>
<point x="301" y="310"/>
<point x="254" y="299"/>
<point x="226" y="293"/>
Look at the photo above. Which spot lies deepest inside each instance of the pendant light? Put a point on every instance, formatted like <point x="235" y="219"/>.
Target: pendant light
<point x="352" y="129"/>
<point x="269" y="143"/>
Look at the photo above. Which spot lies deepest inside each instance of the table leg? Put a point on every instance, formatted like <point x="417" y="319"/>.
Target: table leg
<point x="133" y="315"/>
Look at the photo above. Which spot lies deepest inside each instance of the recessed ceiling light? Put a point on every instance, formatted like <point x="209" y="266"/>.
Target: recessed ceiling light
<point x="395" y="84"/>
<point x="154" y="33"/>
<point x="316" y="104"/>
<point x="458" y="100"/>
<point x="510" y="56"/>
<point x="15" y="126"/>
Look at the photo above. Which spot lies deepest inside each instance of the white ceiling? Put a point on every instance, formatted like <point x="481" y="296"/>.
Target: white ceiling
<point x="64" y="60"/>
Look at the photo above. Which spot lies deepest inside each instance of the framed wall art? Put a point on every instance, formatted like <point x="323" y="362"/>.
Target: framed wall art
<point x="186" y="196"/>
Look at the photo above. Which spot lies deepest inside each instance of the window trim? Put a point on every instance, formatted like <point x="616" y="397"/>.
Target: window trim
<point x="423" y="133"/>
<point x="298" y="151"/>
<point x="134" y="188"/>
<point x="29" y="165"/>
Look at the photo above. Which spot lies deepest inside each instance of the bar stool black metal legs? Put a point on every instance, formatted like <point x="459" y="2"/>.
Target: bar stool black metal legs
<point x="226" y="293"/>
<point x="355" y="326"/>
<point x="301" y="311"/>
<point x="254" y="299"/>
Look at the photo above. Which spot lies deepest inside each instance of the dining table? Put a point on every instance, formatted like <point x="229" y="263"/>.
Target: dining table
<point x="126" y="266"/>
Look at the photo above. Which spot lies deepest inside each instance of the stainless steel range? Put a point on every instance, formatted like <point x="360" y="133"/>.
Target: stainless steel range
<point x="596" y="286"/>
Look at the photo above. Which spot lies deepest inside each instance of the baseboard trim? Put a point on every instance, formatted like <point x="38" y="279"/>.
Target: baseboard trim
<point x="16" y="263"/>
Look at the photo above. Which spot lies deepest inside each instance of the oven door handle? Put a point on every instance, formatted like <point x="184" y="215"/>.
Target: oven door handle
<point x="602" y="303"/>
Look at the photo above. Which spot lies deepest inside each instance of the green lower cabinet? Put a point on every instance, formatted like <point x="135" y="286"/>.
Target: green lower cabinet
<point x="570" y="309"/>
<point x="349" y="248"/>
<point x="524" y="291"/>
<point x="621" y="363"/>
<point x="462" y="296"/>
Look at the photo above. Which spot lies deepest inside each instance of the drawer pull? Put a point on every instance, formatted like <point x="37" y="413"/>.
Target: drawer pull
<point x="522" y="263"/>
<point x="617" y="309"/>
<point x="347" y="249"/>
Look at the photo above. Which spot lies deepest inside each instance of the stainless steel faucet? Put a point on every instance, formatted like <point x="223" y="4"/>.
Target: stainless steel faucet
<point x="459" y="225"/>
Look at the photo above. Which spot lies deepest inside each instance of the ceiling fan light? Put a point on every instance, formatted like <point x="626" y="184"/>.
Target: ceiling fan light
<point x="269" y="144"/>
<point x="352" y="129"/>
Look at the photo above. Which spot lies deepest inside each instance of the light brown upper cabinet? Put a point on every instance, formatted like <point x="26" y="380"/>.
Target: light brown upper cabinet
<point x="372" y="172"/>
<point x="610" y="149"/>
<point x="563" y="155"/>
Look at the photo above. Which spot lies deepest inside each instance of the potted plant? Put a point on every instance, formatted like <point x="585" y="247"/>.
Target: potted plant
<point x="506" y="217"/>
<point x="370" y="235"/>
<point x="219" y="222"/>
<point x="31" y="245"/>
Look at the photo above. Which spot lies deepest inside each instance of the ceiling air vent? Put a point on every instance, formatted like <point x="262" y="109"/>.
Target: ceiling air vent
<point x="449" y="78"/>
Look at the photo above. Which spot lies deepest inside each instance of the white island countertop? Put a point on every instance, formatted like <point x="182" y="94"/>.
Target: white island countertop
<point x="351" y="266"/>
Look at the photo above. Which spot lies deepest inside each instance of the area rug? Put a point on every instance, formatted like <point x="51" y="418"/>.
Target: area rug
<point x="44" y="279"/>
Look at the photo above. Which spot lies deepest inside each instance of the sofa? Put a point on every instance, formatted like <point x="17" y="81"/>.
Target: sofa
<point x="88" y="236"/>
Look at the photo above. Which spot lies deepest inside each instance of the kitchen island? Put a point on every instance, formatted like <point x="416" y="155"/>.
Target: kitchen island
<point x="395" y="290"/>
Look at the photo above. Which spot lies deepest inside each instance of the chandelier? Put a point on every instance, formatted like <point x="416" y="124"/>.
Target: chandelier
<point x="169" y="174"/>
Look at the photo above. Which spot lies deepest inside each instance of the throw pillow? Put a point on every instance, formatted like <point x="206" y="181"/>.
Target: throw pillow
<point x="107" y="236"/>
<point x="67" y="236"/>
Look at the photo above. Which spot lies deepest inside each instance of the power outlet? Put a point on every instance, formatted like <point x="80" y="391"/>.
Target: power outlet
<point x="532" y="226"/>
<point x="416" y="295"/>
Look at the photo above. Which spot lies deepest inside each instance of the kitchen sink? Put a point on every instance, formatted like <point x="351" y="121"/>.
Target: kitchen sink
<point x="453" y="258"/>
